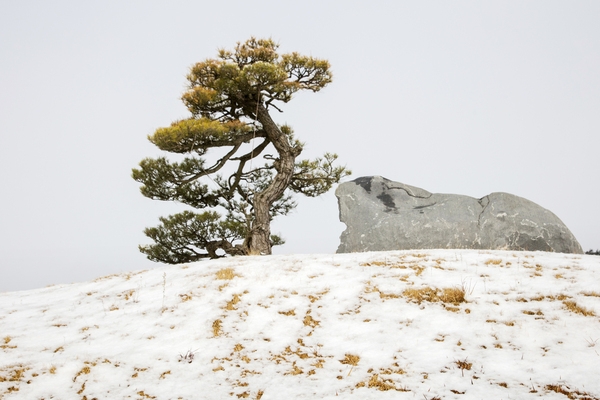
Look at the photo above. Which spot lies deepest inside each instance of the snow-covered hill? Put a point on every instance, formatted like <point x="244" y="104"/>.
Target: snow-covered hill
<point x="441" y="324"/>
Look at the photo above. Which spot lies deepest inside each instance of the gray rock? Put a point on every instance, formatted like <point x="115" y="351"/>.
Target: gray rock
<point x="384" y="215"/>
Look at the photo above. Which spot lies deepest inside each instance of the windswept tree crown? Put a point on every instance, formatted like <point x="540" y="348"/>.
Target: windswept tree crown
<point x="228" y="88"/>
<point x="230" y="99"/>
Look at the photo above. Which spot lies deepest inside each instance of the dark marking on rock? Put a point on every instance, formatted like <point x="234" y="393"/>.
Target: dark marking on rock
<point x="365" y="182"/>
<point x="387" y="200"/>
<point x="425" y="206"/>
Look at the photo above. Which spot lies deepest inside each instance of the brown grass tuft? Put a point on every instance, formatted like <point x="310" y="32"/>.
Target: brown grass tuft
<point x="350" y="359"/>
<point x="310" y="321"/>
<point x="226" y="274"/>
<point x="573" y="307"/>
<point x="380" y="384"/>
<point x="464" y="364"/>
<point x="84" y="371"/>
<point x="164" y="374"/>
<point x="230" y="304"/>
<point x="455" y="295"/>
<point x="185" y="297"/>
<point x="238" y="347"/>
<point x="16" y="373"/>
<point x="216" y="326"/>
<point x="493" y="261"/>
<point x="573" y="394"/>
<point x="420" y="295"/>
<point x="6" y="344"/>
<point x="591" y="294"/>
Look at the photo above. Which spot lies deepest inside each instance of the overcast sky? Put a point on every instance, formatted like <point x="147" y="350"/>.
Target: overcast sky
<point x="464" y="97"/>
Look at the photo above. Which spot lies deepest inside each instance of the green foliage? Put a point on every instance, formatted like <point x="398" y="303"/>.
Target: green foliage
<point x="236" y="159"/>
<point x="229" y="87"/>
<point x="175" y="181"/>
<point x="198" y="134"/>
<point x="189" y="236"/>
<point x="313" y="178"/>
<point x="184" y="237"/>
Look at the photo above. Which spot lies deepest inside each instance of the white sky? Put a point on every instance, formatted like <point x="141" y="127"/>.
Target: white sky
<point x="463" y="97"/>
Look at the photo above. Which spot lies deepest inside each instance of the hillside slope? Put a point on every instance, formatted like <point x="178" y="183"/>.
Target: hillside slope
<point x="441" y="324"/>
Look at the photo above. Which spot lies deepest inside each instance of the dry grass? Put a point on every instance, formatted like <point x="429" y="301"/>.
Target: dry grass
<point x="573" y="307"/>
<point x="128" y="294"/>
<point x="421" y="295"/>
<point x="310" y="321"/>
<point x="573" y="394"/>
<point x="591" y="294"/>
<point x="397" y="264"/>
<point x="15" y="373"/>
<point x="350" y="359"/>
<point x="493" y="261"/>
<point x="185" y="297"/>
<point x="382" y="384"/>
<point x="530" y="312"/>
<point x="395" y="370"/>
<point x="231" y="304"/>
<point x="164" y="374"/>
<point x="6" y="345"/>
<point x="455" y="295"/>
<point x="374" y="264"/>
<point x="216" y="326"/>
<point x="463" y="365"/>
<point x="84" y="371"/>
<point x="226" y="274"/>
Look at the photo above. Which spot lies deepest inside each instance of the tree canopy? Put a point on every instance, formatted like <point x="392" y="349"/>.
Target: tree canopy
<point x="234" y="159"/>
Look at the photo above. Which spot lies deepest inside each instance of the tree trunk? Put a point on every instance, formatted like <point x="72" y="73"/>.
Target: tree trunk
<point x="260" y="234"/>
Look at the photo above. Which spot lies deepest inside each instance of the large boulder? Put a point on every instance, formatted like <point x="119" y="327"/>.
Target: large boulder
<point x="384" y="215"/>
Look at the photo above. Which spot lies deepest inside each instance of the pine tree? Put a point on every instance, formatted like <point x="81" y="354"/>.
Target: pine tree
<point x="254" y="170"/>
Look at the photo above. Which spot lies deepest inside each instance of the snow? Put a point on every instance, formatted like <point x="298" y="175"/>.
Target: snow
<point x="313" y="326"/>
